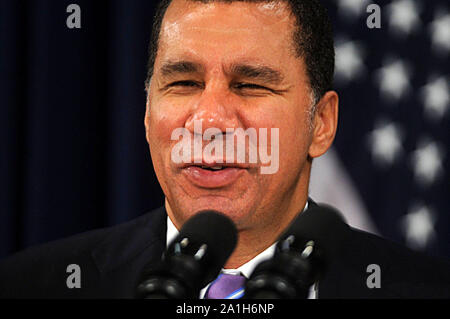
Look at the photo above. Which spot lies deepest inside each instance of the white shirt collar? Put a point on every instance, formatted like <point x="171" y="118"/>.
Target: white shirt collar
<point x="247" y="268"/>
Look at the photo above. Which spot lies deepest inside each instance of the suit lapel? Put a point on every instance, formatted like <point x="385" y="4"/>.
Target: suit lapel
<point x="143" y="238"/>
<point x="345" y="277"/>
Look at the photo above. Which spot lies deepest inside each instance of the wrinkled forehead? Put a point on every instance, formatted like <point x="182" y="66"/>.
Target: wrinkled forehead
<point x="237" y="27"/>
<point x="266" y="12"/>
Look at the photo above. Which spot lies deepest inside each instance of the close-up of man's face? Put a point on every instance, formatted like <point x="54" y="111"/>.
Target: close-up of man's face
<point x="230" y="66"/>
<point x="189" y="149"/>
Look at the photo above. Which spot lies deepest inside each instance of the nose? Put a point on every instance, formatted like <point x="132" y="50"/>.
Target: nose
<point x="215" y="108"/>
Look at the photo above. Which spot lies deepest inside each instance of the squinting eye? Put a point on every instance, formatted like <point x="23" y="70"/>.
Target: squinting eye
<point x="184" y="83"/>
<point x="249" y="86"/>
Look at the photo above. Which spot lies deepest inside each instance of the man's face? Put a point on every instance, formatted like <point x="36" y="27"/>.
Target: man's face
<point x="230" y="66"/>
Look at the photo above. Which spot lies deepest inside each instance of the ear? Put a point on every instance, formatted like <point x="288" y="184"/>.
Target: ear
<point x="325" y="124"/>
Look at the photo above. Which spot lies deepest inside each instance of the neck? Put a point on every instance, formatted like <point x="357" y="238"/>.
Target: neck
<point x="266" y="229"/>
<point x="252" y="242"/>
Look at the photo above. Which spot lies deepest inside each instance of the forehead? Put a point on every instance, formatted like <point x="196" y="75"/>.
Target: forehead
<point x="267" y="11"/>
<point x="243" y="30"/>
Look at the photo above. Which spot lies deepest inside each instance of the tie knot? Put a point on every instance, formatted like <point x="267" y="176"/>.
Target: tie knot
<point x="226" y="286"/>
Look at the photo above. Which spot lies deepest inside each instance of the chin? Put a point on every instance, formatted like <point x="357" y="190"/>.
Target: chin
<point x="235" y="210"/>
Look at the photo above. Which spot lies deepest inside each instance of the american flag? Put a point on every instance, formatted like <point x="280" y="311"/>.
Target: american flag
<point x="389" y="170"/>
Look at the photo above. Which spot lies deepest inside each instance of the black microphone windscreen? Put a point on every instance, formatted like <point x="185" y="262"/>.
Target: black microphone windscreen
<point x="323" y="224"/>
<point x="215" y="230"/>
<point x="193" y="259"/>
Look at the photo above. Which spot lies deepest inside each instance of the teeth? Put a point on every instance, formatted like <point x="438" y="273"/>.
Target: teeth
<point x="215" y="168"/>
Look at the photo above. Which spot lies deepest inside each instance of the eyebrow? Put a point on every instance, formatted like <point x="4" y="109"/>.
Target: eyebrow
<point x="262" y="73"/>
<point x="257" y="72"/>
<point x="171" y="68"/>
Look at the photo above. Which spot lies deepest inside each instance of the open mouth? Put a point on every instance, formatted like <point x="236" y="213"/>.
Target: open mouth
<point x="213" y="168"/>
<point x="212" y="176"/>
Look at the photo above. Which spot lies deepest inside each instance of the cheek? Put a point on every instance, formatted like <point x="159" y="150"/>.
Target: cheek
<point x="294" y="143"/>
<point x="293" y="130"/>
<point x="164" y="118"/>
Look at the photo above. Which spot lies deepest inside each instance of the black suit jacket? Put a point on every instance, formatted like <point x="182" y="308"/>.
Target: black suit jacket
<point x="111" y="261"/>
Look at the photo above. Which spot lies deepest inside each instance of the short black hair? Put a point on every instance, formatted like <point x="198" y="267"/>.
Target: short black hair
<point x="313" y="40"/>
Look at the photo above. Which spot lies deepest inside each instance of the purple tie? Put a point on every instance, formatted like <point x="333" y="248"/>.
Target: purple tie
<point x="226" y="287"/>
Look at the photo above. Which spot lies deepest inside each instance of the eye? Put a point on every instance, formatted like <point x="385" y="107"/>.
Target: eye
<point x="184" y="84"/>
<point x="252" y="86"/>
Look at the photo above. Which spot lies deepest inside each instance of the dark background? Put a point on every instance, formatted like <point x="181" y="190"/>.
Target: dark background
<point x="72" y="140"/>
<point x="73" y="154"/>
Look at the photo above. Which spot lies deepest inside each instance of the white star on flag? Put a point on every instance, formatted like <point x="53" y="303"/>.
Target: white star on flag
<point x="393" y="80"/>
<point x="349" y="62"/>
<point x="403" y="17"/>
<point x="418" y="227"/>
<point x="436" y="98"/>
<point x="440" y="33"/>
<point x="385" y="143"/>
<point x="352" y="8"/>
<point x="427" y="162"/>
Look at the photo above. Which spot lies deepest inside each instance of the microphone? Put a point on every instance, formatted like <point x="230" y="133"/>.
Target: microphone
<point x="301" y="256"/>
<point x="193" y="259"/>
